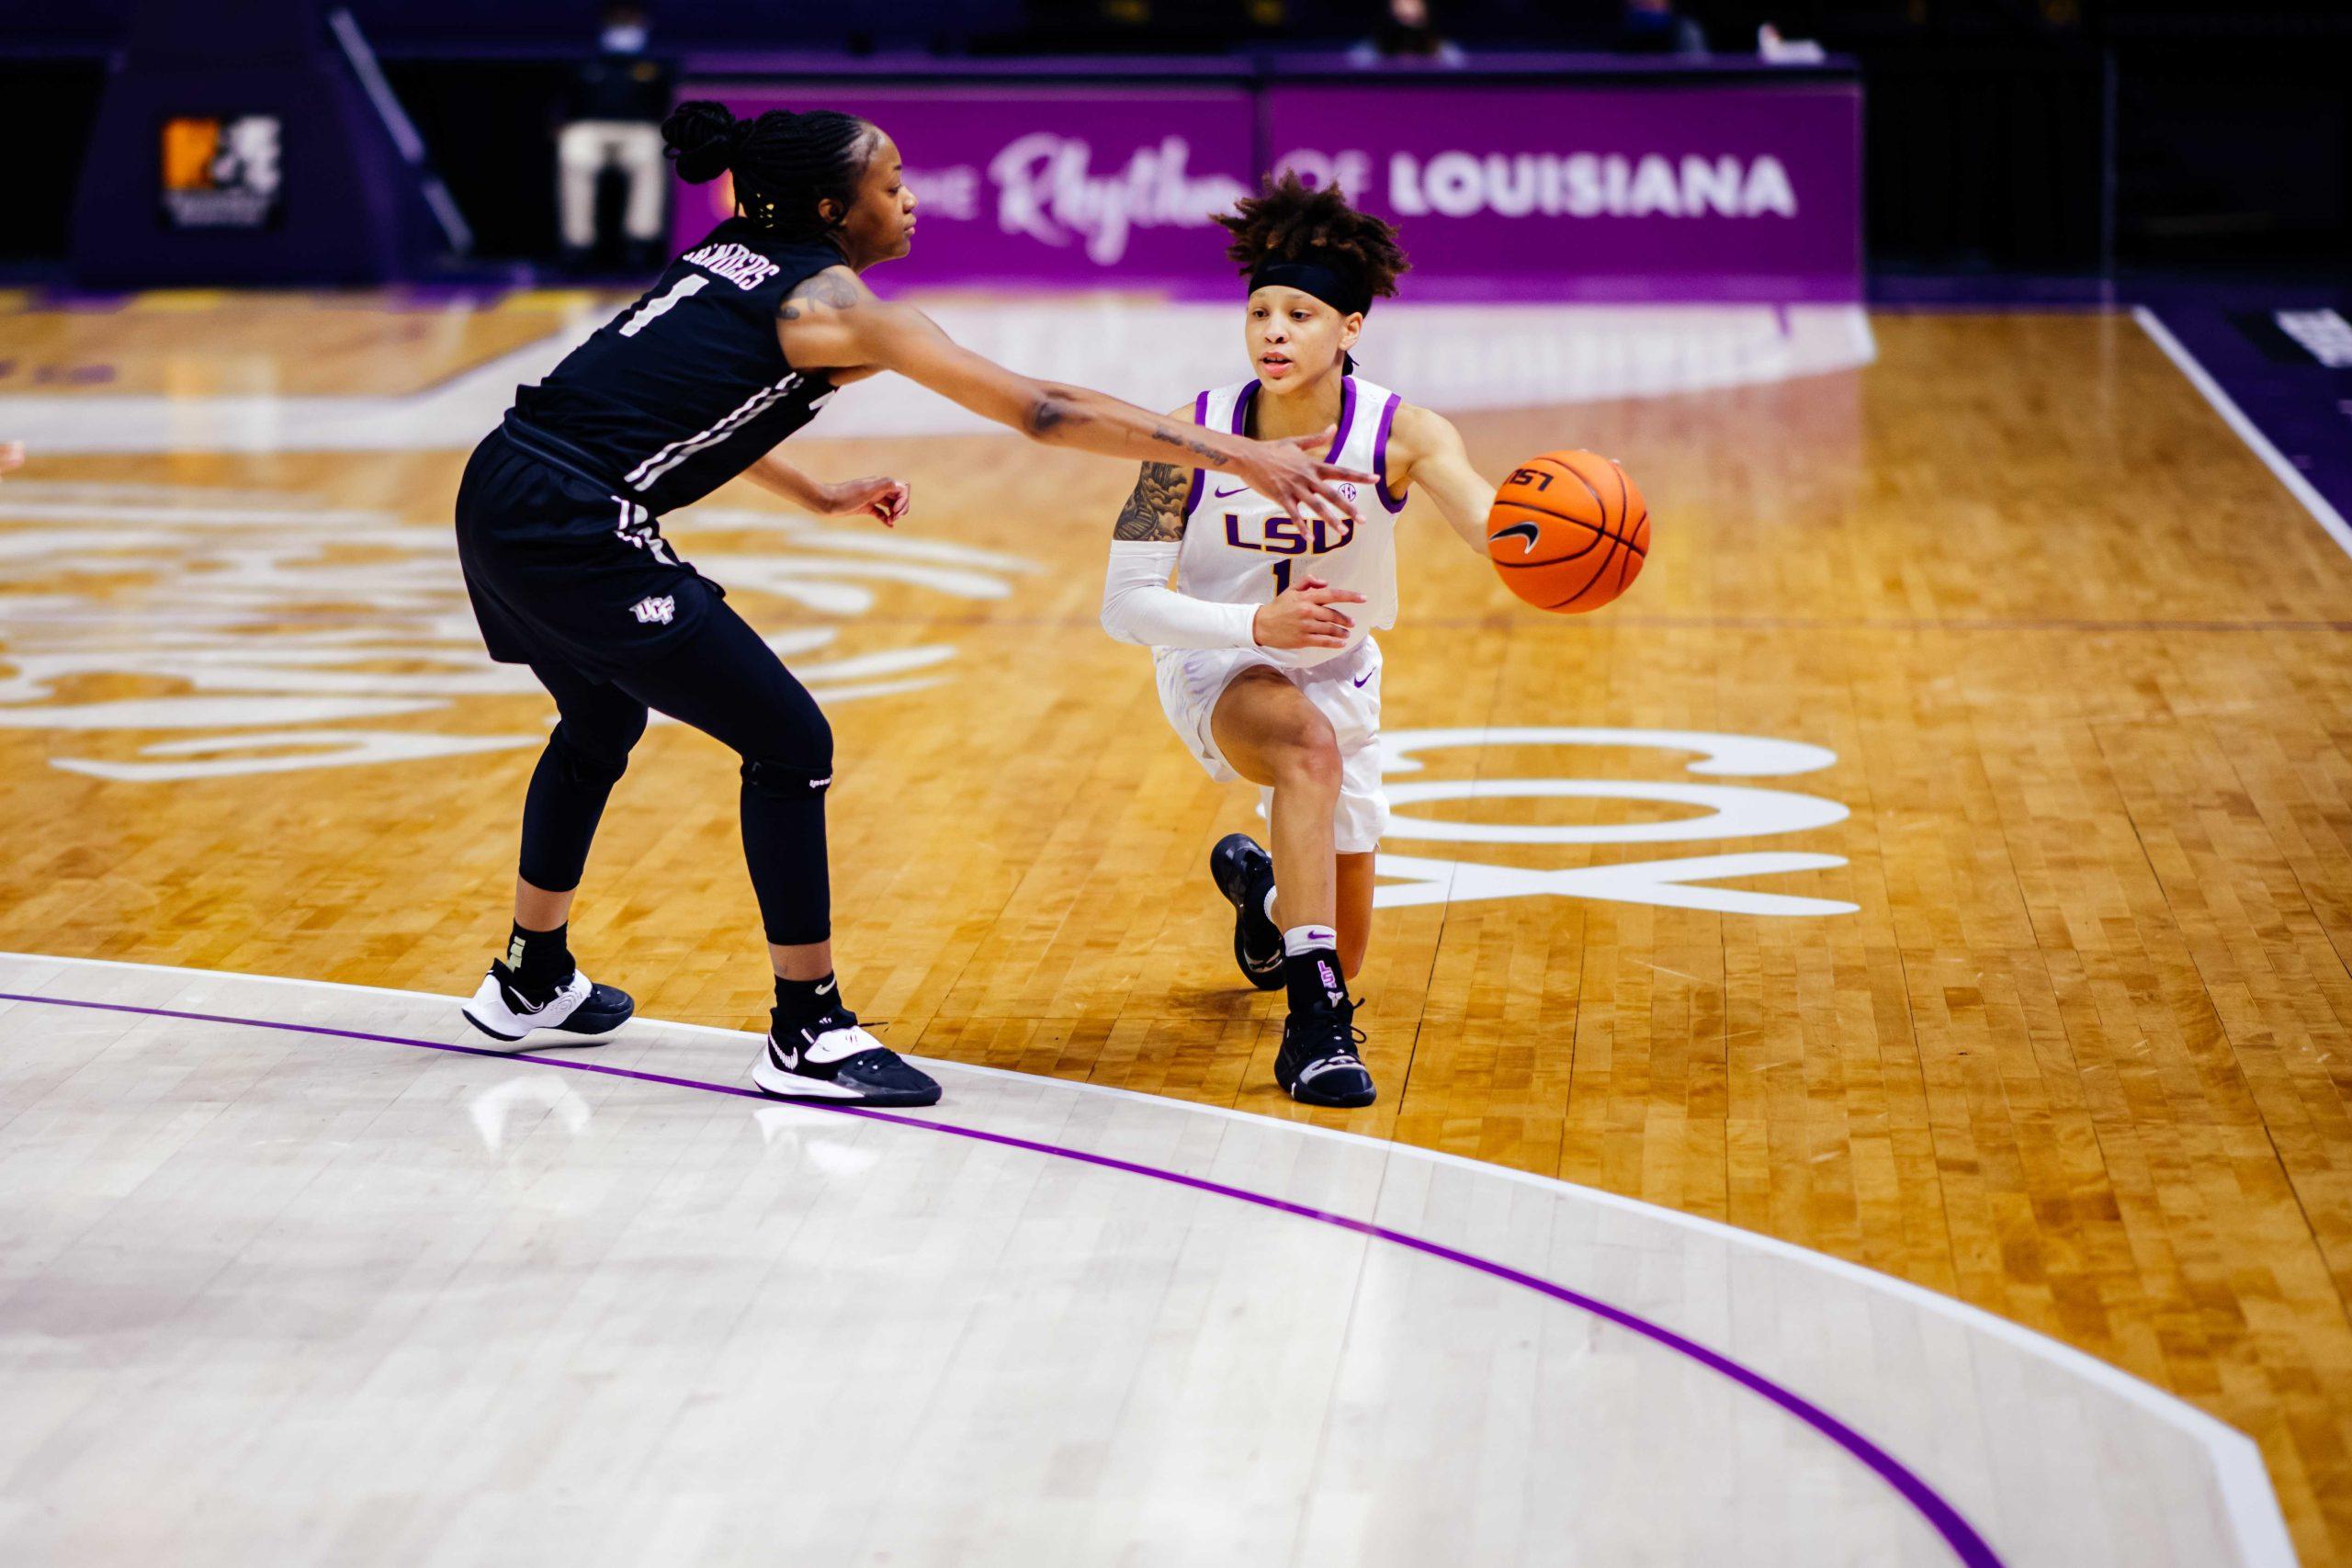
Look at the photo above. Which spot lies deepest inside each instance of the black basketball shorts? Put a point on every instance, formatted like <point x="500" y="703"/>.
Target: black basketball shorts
<point x="561" y="569"/>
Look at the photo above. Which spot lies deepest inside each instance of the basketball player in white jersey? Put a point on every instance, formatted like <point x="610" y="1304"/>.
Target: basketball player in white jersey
<point x="1266" y="664"/>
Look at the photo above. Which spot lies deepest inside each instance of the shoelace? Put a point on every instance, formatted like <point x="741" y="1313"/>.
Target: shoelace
<point x="840" y="1018"/>
<point x="1347" y="1036"/>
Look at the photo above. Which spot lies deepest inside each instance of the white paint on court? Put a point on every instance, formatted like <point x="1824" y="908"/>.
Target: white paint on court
<point x="272" y="1292"/>
<point x="280" y="617"/>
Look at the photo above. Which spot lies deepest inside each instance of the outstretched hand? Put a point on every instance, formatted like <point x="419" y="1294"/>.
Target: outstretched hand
<point x="11" y="455"/>
<point x="1288" y="472"/>
<point x="885" y="498"/>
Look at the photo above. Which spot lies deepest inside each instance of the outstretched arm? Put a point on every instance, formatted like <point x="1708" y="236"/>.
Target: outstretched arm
<point x="833" y="321"/>
<point x="1425" y="450"/>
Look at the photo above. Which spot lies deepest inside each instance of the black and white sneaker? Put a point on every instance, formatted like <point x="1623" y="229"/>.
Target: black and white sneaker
<point x="1318" y="1064"/>
<point x="1243" y="872"/>
<point x="587" y="1013"/>
<point x="835" y="1060"/>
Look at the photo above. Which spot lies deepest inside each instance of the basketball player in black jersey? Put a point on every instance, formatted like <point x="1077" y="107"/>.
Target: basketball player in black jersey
<point x="738" y="344"/>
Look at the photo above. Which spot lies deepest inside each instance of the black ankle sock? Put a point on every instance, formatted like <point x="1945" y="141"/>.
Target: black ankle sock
<point x="1315" y="985"/>
<point x="799" y="1002"/>
<point x="541" y="960"/>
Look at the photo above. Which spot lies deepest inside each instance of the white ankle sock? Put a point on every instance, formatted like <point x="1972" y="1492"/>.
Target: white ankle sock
<point x="1269" y="904"/>
<point x="1309" y="939"/>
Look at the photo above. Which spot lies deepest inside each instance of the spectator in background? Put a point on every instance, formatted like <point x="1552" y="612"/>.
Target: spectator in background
<point x="1655" y="26"/>
<point x="618" y="101"/>
<point x="1406" y="32"/>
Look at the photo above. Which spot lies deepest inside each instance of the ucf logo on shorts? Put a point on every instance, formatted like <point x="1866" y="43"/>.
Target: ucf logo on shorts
<point x="655" y="608"/>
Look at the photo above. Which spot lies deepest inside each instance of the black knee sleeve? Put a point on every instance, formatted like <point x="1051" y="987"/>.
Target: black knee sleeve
<point x="783" y="844"/>
<point x="567" y="796"/>
<point x="593" y="762"/>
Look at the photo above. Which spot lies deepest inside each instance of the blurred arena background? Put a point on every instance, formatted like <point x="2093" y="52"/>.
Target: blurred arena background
<point x="2067" y="140"/>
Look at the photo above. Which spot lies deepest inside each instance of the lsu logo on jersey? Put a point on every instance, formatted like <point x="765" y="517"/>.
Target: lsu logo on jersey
<point x="1289" y="536"/>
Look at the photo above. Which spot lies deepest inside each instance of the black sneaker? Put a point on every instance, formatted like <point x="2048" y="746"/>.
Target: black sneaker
<point x="1318" y="1064"/>
<point x="587" y="1012"/>
<point x="1243" y="872"/>
<point x="835" y="1060"/>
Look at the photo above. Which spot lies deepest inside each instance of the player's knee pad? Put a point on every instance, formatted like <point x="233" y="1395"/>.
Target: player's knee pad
<point x="788" y="780"/>
<point x="799" y="760"/>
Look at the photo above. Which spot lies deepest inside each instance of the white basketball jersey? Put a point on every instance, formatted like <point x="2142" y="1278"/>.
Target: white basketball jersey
<point x="1241" y="549"/>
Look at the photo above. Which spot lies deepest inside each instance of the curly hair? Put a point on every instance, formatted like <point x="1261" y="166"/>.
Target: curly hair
<point x="1287" y="221"/>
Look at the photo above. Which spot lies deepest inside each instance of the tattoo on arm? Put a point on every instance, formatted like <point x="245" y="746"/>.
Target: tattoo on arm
<point x="1046" y="415"/>
<point x="1154" y="509"/>
<point x="824" y="288"/>
<point x="1178" y="438"/>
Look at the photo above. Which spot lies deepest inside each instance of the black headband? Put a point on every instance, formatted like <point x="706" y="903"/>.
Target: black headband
<point x="1335" y="288"/>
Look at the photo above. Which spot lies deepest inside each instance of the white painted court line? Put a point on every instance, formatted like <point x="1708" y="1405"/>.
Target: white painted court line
<point x="2298" y="487"/>
<point x="2256" y="1521"/>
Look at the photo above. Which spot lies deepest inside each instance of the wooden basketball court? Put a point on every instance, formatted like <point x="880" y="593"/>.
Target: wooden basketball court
<point x="1938" y="862"/>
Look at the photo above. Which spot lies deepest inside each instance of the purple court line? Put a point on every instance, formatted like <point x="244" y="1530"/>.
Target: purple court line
<point x="1959" y="1534"/>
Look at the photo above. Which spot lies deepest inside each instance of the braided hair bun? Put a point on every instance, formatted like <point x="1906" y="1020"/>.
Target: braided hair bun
<point x="785" y="165"/>
<point x="703" y="138"/>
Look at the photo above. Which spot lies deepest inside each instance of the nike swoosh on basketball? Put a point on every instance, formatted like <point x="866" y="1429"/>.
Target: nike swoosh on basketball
<point x="1527" y="532"/>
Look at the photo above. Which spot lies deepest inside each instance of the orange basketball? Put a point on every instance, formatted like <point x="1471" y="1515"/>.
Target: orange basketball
<point x="1569" y="531"/>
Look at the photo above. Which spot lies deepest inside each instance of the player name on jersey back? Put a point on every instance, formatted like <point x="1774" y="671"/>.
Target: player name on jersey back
<point x="739" y="264"/>
<point x="689" y="384"/>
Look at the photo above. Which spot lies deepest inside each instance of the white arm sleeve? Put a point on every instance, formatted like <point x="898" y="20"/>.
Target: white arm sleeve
<point x="1139" y="606"/>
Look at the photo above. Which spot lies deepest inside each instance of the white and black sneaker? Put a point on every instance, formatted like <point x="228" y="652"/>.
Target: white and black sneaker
<point x="587" y="1013"/>
<point x="1318" y="1064"/>
<point x="834" y="1059"/>
<point x="1243" y="872"/>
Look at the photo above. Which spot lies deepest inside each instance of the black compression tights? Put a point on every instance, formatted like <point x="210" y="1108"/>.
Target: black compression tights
<point x="731" y="685"/>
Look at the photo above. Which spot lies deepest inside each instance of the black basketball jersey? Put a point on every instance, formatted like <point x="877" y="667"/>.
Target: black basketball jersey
<point x="688" y="387"/>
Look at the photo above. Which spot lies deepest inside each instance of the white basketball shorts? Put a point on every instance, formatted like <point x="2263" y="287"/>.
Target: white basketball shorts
<point x="1345" y="690"/>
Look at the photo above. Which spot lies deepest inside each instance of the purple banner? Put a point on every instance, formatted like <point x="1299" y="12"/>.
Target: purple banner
<point x="1729" y="191"/>
<point x="1671" y="192"/>
<point x="1035" y="186"/>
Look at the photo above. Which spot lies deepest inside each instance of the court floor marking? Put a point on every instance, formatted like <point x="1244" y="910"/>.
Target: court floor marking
<point x="1969" y="1546"/>
<point x="2257" y="1522"/>
<point x="2301" y="489"/>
